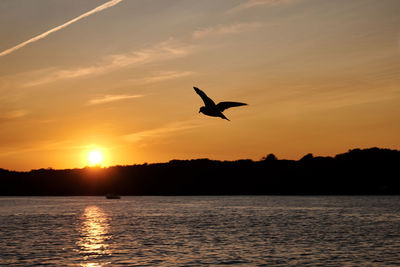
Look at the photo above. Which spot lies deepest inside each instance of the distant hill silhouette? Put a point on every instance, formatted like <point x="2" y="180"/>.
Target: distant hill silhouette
<point x="359" y="171"/>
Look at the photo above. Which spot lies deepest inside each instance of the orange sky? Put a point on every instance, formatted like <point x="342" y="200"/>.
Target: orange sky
<point x="117" y="76"/>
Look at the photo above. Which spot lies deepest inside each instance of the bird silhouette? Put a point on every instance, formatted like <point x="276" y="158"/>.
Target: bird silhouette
<point x="212" y="109"/>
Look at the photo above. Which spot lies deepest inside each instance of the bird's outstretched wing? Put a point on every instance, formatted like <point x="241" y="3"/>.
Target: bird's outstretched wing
<point x="207" y="101"/>
<point x="221" y="106"/>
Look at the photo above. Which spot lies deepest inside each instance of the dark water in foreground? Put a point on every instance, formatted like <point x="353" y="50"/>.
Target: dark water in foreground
<point x="192" y="231"/>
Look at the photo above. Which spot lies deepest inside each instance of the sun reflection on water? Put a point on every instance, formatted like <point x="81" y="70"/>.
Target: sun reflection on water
<point x="94" y="233"/>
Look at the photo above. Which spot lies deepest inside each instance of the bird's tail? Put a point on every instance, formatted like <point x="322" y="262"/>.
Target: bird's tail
<point x="223" y="117"/>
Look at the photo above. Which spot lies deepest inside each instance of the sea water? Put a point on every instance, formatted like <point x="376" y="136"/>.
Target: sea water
<point x="200" y="230"/>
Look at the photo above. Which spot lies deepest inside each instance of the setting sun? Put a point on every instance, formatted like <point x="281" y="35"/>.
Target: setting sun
<point x="95" y="157"/>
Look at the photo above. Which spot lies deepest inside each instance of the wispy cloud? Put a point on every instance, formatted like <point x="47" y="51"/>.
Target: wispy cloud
<point x="43" y="35"/>
<point x="225" y="29"/>
<point x="160" y="132"/>
<point x="256" y="3"/>
<point x="44" y="145"/>
<point x="111" y="98"/>
<point x="11" y="115"/>
<point x="161" y="51"/>
<point x="164" y="76"/>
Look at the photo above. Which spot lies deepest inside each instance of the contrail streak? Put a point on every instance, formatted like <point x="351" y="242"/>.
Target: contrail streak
<point x="41" y="36"/>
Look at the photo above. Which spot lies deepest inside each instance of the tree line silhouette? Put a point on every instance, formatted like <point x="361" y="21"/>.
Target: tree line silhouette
<point x="359" y="171"/>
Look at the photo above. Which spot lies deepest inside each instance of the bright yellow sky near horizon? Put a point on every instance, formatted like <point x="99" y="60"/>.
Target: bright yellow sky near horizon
<point x="117" y="76"/>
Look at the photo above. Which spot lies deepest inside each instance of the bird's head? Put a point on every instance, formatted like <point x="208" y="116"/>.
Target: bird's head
<point x="202" y="109"/>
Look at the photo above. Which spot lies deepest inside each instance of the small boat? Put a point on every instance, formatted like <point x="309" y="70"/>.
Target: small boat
<point x="112" y="196"/>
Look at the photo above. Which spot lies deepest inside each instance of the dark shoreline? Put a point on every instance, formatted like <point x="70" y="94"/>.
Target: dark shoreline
<point x="372" y="171"/>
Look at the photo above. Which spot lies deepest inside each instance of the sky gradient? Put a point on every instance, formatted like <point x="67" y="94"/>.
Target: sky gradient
<point x="117" y="76"/>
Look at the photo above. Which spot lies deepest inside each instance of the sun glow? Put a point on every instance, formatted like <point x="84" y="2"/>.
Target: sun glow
<point x="95" y="157"/>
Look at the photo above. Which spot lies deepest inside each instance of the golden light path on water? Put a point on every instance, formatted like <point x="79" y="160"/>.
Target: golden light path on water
<point x="94" y="232"/>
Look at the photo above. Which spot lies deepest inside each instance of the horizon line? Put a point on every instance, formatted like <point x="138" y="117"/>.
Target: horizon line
<point x="194" y="159"/>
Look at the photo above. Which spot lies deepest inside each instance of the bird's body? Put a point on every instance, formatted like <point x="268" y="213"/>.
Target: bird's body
<point x="212" y="112"/>
<point x="212" y="109"/>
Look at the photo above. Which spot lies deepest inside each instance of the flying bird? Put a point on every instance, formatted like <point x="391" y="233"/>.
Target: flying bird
<point x="212" y="109"/>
